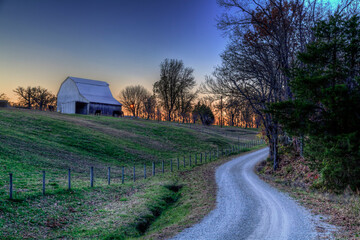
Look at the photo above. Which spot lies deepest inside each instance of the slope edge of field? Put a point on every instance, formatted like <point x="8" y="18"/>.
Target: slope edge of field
<point x="33" y="141"/>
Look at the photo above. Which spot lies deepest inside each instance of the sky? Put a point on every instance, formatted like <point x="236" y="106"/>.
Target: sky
<point x="121" y="42"/>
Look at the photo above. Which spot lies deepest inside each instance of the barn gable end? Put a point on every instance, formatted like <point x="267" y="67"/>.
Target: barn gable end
<point x="86" y="96"/>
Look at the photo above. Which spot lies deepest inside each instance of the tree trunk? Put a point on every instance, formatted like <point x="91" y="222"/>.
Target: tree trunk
<point x="301" y="145"/>
<point x="274" y="147"/>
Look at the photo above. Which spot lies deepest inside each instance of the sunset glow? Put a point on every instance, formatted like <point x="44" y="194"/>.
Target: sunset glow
<point x="120" y="42"/>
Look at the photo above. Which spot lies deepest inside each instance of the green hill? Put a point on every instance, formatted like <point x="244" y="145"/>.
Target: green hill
<point x="33" y="141"/>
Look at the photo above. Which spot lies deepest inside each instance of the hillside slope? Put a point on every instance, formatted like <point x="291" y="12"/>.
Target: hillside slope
<point x="33" y="141"/>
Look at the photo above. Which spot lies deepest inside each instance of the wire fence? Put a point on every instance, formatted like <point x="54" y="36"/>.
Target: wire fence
<point x="22" y="185"/>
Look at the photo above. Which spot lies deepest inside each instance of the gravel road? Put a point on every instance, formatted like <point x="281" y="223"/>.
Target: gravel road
<point x="248" y="208"/>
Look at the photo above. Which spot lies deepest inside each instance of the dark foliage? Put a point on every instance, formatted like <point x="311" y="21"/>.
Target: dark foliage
<point x="326" y="108"/>
<point x="205" y="113"/>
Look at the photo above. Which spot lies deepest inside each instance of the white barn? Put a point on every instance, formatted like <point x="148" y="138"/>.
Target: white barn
<point x="86" y="96"/>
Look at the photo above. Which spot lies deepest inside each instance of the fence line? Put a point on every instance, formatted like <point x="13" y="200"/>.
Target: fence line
<point x="47" y="182"/>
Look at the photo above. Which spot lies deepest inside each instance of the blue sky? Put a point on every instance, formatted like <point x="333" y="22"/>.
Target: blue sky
<point x="121" y="42"/>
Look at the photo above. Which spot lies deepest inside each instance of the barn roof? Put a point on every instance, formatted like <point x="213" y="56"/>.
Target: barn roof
<point x="95" y="91"/>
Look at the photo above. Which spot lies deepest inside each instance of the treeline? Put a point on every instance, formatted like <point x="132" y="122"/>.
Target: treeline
<point x="33" y="98"/>
<point x="296" y="64"/>
<point x="174" y="98"/>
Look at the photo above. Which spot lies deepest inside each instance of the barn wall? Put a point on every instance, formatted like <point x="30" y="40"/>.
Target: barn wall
<point x="68" y="107"/>
<point x="105" y="109"/>
<point x="67" y="96"/>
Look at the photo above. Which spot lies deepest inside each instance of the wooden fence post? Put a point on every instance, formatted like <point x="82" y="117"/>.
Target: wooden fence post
<point x="195" y="158"/>
<point x="171" y="165"/>
<point x="153" y="165"/>
<point x="109" y="177"/>
<point x="144" y="171"/>
<point x="43" y="183"/>
<point x="200" y="158"/>
<point x="134" y="174"/>
<point x="11" y="186"/>
<point x="91" y="176"/>
<point x="184" y="162"/>
<point x="190" y="159"/>
<point x="178" y="163"/>
<point x="69" y="179"/>
<point x="122" y="174"/>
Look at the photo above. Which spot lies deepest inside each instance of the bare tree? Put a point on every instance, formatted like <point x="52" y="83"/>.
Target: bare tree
<point x="175" y="80"/>
<point x="184" y="104"/>
<point x="26" y="96"/>
<point x="265" y="37"/>
<point x="43" y="98"/>
<point x="35" y="97"/>
<point x="158" y="113"/>
<point x="133" y="97"/>
<point x="149" y="106"/>
<point x="247" y="117"/>
<point x="3" y="97"/>
<point x="232" y="109"/>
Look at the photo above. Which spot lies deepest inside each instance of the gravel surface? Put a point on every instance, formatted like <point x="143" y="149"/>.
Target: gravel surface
<point x="248" y="208"/>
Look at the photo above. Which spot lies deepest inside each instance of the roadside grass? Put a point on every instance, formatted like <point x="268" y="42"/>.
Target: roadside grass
<point x="295" y="177"/>
<point x="157" y="208"/>
<point x="96" y="213"/>
<point x="32" y="141"/>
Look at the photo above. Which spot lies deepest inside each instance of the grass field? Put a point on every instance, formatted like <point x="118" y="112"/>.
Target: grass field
<point x="33" y="141"/>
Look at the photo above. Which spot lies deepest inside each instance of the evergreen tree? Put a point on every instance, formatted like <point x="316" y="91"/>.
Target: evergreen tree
<point x="326" y="105"/>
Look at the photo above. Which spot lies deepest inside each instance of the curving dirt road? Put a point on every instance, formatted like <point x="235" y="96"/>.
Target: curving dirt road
<point x="248" y="208"/>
